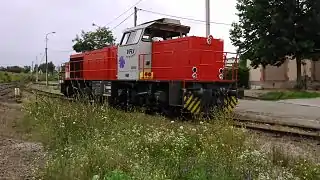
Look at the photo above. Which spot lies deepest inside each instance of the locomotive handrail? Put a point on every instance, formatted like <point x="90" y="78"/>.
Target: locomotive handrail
<point x="141" y="59"/>
<point x="234" y="65"/>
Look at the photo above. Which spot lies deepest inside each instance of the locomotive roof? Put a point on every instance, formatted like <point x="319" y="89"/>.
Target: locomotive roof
<point x="163" y="24"/>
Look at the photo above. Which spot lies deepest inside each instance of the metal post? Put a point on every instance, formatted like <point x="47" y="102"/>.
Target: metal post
<point x="32" y="69"/>
<point x="37" y="69"/>
<point x="135" y="16"/>
<point x="46" y="51"/>
<point x="207" y="18"/>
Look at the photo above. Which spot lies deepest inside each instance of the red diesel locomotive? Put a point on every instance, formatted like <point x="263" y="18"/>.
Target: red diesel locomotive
<point x="158" y="67"/>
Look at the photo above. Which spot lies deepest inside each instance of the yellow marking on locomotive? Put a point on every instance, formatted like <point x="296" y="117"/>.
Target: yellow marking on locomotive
<point x="149" y="75"/>
<point x="186" y="104"/>
<point x="195" y="107"/>
<point x="192" y="104"/>
<point x="230" y="103"/>
<point x="198" y="110"/>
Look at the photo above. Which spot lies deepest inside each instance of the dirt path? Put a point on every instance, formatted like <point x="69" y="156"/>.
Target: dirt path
<point x="18" y="158"/>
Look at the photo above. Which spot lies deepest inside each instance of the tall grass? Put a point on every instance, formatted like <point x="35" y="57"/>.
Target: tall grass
<point x="96" y="142"/>
<point x="7" y="77"/>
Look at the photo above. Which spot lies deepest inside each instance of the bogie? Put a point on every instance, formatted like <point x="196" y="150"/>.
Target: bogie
<point x="168" y="98"/>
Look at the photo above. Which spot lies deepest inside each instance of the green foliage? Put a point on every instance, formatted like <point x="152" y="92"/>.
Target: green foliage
<point x="243" y="76"/>
<point x="27" y="69"/>
<point x="16" y="69"/>
<point x="268" y="31"/>
<point x="96" y="142"/>
<point x="92" y="40"/>
<point x="243" y="63"/>
<point x="42" y="67"/>
<point x="6" y="77"/>
<point x="277" y="95"/>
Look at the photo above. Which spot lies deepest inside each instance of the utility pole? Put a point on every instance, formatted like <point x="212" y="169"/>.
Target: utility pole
<point x="135" y="16"/>
<point x="37" y="69"/>
<point x="32" y="69"/>
<point x="46" y="51"/>
<point x="207" y="17"/>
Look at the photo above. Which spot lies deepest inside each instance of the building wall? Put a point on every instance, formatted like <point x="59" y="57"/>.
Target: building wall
<point x="283" y="76"/>
<point x="316" y="73"/>
<point x="255" y="76"/>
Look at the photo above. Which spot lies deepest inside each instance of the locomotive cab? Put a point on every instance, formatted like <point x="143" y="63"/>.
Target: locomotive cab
<point x="135" y="48"/>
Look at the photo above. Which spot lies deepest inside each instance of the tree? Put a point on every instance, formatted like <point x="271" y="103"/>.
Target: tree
<point x="14" y="69"/>
<point x="92" y="40"/>
<point x="51" y="67"/>
<point x="270" y="31"/>
<point x="26" y="69"/>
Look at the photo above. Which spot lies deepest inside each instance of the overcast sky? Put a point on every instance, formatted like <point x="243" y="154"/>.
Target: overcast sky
<point x="24" y="23"/>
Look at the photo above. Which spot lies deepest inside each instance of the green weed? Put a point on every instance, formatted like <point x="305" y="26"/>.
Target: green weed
<point x="278" y="95"/>
<point x="97" y="142"/>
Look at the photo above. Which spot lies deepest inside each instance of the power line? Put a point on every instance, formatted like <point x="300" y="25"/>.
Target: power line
<point x="124" y="12"/>
<point x="190" y="19"/>
<point x="54" y="50"/>
<point x="122" y="21"/>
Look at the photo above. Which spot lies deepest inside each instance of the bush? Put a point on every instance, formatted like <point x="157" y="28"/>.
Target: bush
<point x="243" y="76"/>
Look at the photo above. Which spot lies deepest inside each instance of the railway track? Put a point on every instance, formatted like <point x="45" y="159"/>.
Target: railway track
<point x="278" y="128"/>
<point x="6" y="88"/>
<point x="44" y="93"/>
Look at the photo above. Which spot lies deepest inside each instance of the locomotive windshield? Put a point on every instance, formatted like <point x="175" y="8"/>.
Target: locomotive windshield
<point x="162" y="29"/>
<point x="131" y="37"/>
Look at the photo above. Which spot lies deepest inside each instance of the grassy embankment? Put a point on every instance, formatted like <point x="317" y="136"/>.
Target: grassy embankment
<point x="93" y="142"/>
<point x="6" y="77"/>
<point x="280" y="95"/>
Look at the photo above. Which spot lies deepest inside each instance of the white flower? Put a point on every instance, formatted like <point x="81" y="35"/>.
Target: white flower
<point x="181" y="127"/>
<point x="172" y="121"/>
<point x="95" y="177"/>
<point x="201" y="122"/>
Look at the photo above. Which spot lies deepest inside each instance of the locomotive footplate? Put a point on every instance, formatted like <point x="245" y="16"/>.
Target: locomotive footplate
<point x="208" y="101"/>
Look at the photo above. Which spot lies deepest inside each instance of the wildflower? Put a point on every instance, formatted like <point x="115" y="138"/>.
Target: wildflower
<point x="172" y="121"/>
<point x="201" y="122"/>
<point x="95" y="177"/>
<point x="181" y="127"/>
<point x="73" y="122"/>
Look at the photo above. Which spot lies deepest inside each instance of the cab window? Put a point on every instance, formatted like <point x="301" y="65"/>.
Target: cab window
<point x="125" y="39"/>
<point x="131" y="37"/>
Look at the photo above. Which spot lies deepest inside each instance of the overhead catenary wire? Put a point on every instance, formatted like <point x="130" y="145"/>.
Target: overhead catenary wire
<point x="185" y="18"/>
<point x="62" y="51"/>
<point x="122" y="21"/>
<point x="124" y="12"/>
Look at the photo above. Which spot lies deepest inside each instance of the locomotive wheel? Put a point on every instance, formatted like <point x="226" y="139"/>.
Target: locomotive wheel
<point x="69" y="91"/>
